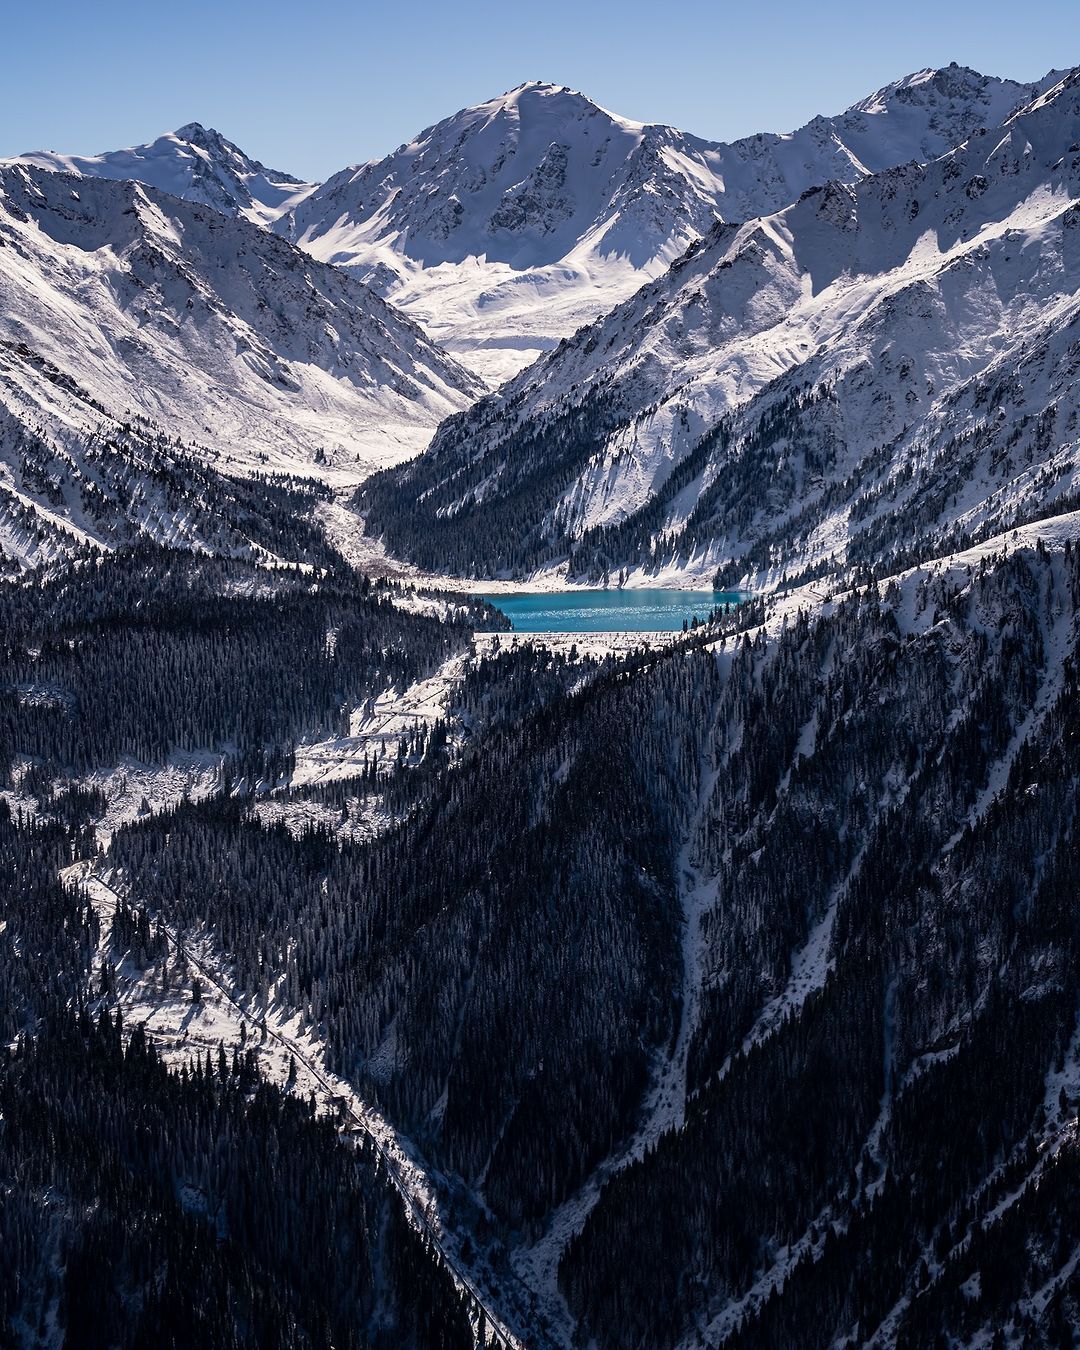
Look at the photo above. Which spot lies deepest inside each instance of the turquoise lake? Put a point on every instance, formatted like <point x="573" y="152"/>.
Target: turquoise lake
<point x="645" y="611"/>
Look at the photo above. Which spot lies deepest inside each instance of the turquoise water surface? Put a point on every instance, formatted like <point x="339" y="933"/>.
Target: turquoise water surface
<point x="647" y="611"/>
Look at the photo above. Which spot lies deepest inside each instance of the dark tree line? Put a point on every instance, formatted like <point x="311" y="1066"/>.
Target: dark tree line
<point x="148" y="1208"/>
<point x="861" y="1147"/>
<point x="47" y="930"/>
<point x="144" y="653"/>
<point x="502" y="967"/>
<point x="471" y="514"/>
<point x="141" y="1207"/>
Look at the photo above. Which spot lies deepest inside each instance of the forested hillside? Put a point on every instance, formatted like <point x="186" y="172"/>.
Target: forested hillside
<point x="145" y="652"/>
<point x="141" y="1204"/>
<point x="882" y="1085"/>
<point x="378" y="975"/>
<point x="145" y="1207"/>
<point x="781" y="917"/>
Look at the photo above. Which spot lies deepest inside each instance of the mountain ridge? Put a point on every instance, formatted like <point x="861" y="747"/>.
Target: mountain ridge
<point x="126" y="307"/>
<point x="507" y="225"/>
<point x="827" y="334"/>
<point x="194" y="163"/>
<point x="501" y="263"/>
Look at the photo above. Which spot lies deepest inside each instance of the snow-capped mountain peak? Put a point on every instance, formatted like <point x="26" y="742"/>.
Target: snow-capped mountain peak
<point x="519" y="177"/>
<point x="195" y="163"/>
<point x="122" y="306"/>
<point x="505" y="227"/>
<point x="880" y="360"/>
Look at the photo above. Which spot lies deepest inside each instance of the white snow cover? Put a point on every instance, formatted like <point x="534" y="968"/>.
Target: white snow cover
<point x="507" y="226"/>
<point x="194" y="162"/>
<point x="908" y="295"/>
<point x="119" y="302"/>
<point x="214" y="329"/>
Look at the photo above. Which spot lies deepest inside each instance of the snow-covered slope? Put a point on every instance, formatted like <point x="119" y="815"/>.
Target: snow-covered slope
<point x="122" y="307"/>
<point x="507" y="226"/>
<point x="874" y="362"/>
<point x="194" y="162"/>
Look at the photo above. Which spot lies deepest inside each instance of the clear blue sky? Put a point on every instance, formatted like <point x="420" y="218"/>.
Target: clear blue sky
<point x="312" y="87"/>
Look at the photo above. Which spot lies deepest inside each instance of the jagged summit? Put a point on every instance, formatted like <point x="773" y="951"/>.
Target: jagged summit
<point x="122" y="305"/>
<point x="195" y="163"/>
<point x="506" y="226"/>
<point x="882" y="359"/>
<point x="214" y="143"/>
<point x="194" y="131"/>
<point x="953" y="83"/>
<point x="543" y="87"/>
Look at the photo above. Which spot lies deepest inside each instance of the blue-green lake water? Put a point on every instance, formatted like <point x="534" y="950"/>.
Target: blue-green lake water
<point x="645" y="611"/>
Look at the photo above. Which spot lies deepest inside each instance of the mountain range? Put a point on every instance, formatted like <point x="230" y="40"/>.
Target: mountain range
<point x="373" y="975"/>
<point x="880" y="366"/>
<point x="502" y="229"/>
<point x="507" y="226"/>
<point x="128" y="312"/>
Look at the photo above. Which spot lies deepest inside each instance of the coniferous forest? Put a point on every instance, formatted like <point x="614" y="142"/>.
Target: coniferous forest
<point x="382" y="972"/>
<point x="757" y="952"/>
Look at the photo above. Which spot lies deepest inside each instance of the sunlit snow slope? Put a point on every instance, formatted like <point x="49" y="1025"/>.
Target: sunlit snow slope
<point x="507" y="226"/>
<point x="194" y="162"/>
<point x="878" y="362"/>
<point x="121" y="305"/>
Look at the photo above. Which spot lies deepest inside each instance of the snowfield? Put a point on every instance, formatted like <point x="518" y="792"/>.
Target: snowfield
<point x="139" y="327"/>
<point x="885" y="357"/>
<point x="549" y="209"/>
<point x="506" y="227"/>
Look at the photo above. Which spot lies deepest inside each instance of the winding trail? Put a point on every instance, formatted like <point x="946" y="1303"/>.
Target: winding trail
<point x="362" y="1122"/>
